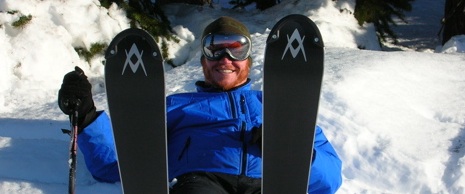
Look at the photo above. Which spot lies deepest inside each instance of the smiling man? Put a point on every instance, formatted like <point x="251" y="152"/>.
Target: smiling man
<point x="226" y="48"/>
<point x="214" y="134"/>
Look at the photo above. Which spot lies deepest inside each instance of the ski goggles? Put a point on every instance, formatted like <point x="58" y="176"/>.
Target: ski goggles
<point x="216" y="46"/>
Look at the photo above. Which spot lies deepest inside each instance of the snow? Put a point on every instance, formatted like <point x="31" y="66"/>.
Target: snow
<point x="397" y="119"/>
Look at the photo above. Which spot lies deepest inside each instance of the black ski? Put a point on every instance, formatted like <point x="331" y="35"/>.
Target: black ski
<point x="134" y="79"/>
<point x="293" y="74"/>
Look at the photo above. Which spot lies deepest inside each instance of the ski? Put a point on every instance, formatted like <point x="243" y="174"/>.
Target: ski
<point x="293" y="72"/>
<point x="135" y="87"/>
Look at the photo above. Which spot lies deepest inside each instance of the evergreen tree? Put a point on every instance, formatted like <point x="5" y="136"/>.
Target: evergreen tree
<point x="454" y="19"/>
<point x="148" y="16"/>
<point x="260" y="4"/>
<point x="194" y="2"/>
<point x="265" y="4"/>
<point x="380" y="13"/>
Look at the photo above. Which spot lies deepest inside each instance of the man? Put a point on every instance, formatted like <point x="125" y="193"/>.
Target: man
<point x="214" y="134"/>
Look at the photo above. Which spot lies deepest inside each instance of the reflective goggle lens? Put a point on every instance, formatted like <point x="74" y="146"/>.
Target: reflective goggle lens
<point x="215" y="46"/>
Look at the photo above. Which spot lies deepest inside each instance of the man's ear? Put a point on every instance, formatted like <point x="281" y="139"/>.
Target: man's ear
<point x="202" y="60"/>
<point x="250" y="61"/>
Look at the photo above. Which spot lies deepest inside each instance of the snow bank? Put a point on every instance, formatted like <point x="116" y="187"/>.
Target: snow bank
<point x="455" y="45"/>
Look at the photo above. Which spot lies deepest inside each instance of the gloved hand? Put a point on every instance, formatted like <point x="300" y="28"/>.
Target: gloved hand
<point x="76" y="94"/>
<point x="257" y="136"/>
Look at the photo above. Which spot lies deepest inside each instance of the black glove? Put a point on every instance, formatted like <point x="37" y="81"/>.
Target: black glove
<point x="76" y="94"/>
<point x="257" y="136"/>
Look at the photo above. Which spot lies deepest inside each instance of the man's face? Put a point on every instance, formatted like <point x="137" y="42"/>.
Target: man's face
<point x="225" y="73"/>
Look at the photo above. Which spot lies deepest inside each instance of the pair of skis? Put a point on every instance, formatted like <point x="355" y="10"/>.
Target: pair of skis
<point x="293" y="72"/>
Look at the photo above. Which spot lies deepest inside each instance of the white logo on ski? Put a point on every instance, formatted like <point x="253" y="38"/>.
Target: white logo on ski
<point x="294" y="51"/>
<point x="134" y="51"/>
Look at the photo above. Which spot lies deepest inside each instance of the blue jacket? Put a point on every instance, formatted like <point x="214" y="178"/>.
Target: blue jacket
<point x="209" y="131"/>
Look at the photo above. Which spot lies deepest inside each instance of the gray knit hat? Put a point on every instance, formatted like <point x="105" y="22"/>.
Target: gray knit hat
<point x="226" y="25"/>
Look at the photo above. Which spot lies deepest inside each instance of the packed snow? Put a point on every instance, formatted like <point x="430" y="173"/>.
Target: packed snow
<point x="396" y="119"/>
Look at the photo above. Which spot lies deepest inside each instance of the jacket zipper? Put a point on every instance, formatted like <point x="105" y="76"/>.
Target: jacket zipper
<point x="244" y="149"/>
<point x="243" y="129"/>
<point x="243" y="104"/>
<point x="244" y="143"/>
<point x="233" y="105"/>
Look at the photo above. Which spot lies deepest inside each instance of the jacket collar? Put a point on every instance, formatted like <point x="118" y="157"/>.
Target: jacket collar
<point x="203" y="87"/>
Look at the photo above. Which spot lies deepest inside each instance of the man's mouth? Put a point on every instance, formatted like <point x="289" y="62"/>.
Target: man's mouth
<point x="225" y="70"/>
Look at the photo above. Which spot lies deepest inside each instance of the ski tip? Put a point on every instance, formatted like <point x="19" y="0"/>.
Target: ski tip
<point x="296" y="25"/>
<point x="126" y="38"/>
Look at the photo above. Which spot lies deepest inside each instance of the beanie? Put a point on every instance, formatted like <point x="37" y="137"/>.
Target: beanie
<point x="226" y="25"/>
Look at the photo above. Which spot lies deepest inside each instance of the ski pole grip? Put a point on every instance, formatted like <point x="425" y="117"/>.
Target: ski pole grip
<point x="70" y="105"/>
<point x="74" y="106"/>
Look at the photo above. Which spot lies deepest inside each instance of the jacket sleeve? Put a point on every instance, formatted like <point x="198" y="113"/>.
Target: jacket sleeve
<point x="97" y="146"/>
<point x="325" y="176"/>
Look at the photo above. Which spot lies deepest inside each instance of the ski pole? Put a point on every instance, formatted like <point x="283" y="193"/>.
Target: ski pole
<point x="73" y="104"/>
